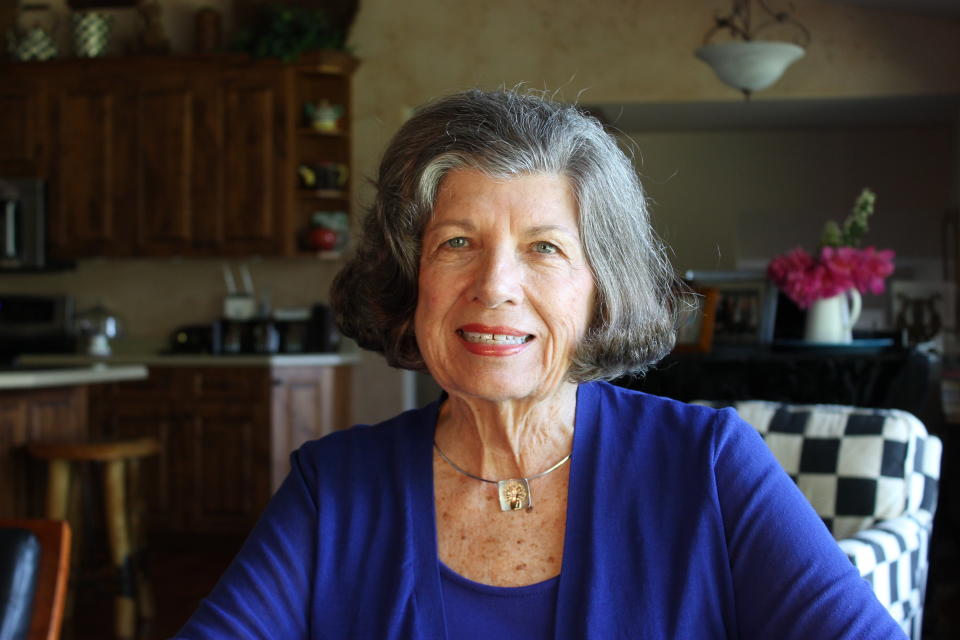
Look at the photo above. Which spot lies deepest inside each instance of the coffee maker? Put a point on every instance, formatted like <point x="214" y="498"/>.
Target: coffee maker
<point x="290" y="331"/>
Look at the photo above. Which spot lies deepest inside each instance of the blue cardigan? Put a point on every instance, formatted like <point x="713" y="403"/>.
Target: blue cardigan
<point x="680" y="524"/>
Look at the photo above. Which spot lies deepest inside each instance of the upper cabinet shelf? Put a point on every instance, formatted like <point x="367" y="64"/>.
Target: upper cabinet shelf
<point x="186" y="156"/>
<point x="327" y="63"/>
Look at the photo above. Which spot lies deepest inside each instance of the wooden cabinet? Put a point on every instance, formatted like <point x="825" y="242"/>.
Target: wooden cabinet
<point x="22" y="103"/>
<point x="192" y="156"/>
<point x="176" y="127"/>
<point x="211" y="161"/>
<point x="89" y="186"/>
<point x="34" y="415"/>
<point x="256" y="160"/>
<point x="226" y="434"/>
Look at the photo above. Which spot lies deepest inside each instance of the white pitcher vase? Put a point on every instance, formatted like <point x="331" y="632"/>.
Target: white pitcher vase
<point x="831" y="320"/>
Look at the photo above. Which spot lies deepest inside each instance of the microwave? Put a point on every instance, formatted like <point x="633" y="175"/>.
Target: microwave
<point x="23" y="233"/>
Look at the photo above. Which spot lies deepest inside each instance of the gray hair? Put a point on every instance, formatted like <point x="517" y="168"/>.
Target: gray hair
<point x="506" y="134"/>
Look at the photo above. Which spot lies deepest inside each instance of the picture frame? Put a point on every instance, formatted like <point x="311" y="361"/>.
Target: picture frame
<point x="746" y="306"/>
<point x="695" y="333"/>
<point x="926" y="309"/>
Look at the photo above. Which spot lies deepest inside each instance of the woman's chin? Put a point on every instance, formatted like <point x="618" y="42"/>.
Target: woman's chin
<point x="502" y="388"/>
<point x="484" y="387"/>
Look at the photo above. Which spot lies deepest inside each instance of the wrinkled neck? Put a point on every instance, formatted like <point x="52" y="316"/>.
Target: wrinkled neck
<point x="508" y="439"/>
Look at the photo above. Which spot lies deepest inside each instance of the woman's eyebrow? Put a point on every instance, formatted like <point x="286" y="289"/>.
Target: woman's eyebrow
<point x="466" y="225"/>
<point x="546" y="228"/>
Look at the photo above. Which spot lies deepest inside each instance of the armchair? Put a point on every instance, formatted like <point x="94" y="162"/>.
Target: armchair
<point x="872" y="476"/>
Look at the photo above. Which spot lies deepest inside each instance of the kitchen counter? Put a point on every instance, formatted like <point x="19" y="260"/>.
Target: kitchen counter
<point x="46" y="404"/>
<point x="199" y="360"/>
<point x="69" y="376"/>
<point x="227" y="425"/>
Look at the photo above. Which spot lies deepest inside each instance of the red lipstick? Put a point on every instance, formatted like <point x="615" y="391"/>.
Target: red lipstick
<point x="486" y="348"/>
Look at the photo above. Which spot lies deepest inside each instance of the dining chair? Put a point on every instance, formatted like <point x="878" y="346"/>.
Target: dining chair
<point x="51" y="571"/>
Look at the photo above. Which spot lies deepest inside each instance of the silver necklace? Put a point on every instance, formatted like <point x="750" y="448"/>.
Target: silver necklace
<point x="514" y="492"/>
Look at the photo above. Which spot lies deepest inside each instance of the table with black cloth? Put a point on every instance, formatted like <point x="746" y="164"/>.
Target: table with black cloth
<point x="894" y="378"/>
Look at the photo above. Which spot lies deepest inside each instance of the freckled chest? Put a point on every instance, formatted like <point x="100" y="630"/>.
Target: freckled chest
<point x="480" y="542"/>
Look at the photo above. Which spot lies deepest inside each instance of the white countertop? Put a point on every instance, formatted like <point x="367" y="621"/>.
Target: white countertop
<point x="197" y="360"/>
<point x="94" y="374"/>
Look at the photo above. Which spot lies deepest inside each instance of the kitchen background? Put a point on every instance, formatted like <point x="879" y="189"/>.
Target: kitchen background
<point x="875" y="102"/>
<point x="720" y="193"/>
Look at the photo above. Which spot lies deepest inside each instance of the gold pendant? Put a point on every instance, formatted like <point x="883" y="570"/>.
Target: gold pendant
<point x="514" y="494"/>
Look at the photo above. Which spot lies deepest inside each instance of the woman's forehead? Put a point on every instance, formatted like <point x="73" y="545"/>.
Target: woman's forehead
<point x="467" y="196"/>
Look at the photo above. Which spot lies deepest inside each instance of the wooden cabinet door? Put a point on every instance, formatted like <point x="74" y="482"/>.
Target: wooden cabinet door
<point x="21" y="130"/>
<point x="165" y="113"/>
<point x="148" y="407"/>
<point x="229" y="475"/>
<point x="13" y="460"/>
<point x="308" y="403"/>
<point x="178" y="187"/>
<point x="55" y="414"/>
<point x="254" y="159"/>
<point x="91" y="156"/>
<point x="161" y="477"/>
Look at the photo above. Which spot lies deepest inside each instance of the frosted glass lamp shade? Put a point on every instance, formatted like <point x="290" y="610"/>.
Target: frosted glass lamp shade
<point x="749" y="66"/>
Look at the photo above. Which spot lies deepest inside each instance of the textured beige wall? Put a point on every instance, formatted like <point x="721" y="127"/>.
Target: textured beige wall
<point x="601" y="51"/>
<point x="154" y="296"/>
<point x="723" y="198"/>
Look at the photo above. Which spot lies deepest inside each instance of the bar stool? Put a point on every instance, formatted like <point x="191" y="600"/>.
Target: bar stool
<point x="120" y="459"/>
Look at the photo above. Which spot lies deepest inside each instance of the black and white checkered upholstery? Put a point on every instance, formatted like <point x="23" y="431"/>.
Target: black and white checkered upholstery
<point x="872" y="475"/>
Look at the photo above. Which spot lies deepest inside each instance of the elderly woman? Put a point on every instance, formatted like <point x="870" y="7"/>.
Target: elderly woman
<point x="509" y="254"/>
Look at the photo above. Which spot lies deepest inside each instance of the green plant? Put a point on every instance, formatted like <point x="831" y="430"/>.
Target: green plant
<point x="287" y="31"/>
<point x="854" y="226"/>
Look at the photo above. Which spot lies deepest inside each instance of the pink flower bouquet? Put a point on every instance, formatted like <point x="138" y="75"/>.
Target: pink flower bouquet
<point x="806" y="279"/>
<point x="839" y="264"/>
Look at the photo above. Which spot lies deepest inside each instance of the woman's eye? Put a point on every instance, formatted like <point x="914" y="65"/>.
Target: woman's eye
<point x="544" y="247"/>
<point x="457" y="243"/>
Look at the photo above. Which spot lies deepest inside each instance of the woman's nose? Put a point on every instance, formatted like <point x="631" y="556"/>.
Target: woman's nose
<point x="499" y="280"/>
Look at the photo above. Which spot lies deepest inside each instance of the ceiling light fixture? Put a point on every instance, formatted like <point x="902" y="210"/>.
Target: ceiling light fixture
<point x="745" y="63"/>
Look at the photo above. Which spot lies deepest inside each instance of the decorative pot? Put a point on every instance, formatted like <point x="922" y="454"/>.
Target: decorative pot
<point x="32" y="36"/>
<point x="91" y="34"/>
<point x="831" y="320"/>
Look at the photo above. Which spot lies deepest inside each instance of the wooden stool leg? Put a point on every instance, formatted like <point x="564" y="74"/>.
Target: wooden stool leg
<point x="58" y="489"/>
<point x="116" y="512"/>
<point x="137" y="530"/>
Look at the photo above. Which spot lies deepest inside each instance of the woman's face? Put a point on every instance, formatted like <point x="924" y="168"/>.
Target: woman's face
<point x="505" y="290"/>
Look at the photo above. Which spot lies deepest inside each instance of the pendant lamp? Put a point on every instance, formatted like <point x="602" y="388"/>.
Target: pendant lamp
<point x="745" y="63"/>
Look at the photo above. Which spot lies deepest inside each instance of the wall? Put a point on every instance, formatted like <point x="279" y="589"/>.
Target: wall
<point x="154" y="296"/>
<point x="616" y="51"/>
<point x="599" y="51"/>
<point x="729" y="199"/>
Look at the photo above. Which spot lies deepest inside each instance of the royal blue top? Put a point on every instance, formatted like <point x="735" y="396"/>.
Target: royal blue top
<point x="476" y="611"/>
<point x="680" y="524"/>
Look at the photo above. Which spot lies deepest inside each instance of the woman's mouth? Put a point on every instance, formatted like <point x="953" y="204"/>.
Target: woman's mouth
<point x="487" y="340"/>
<point x="493" y="338"/>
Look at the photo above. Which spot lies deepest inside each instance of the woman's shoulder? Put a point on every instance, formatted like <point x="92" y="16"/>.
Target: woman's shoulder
<point x="629" y="403"/>
<point x="646" y="420"/>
